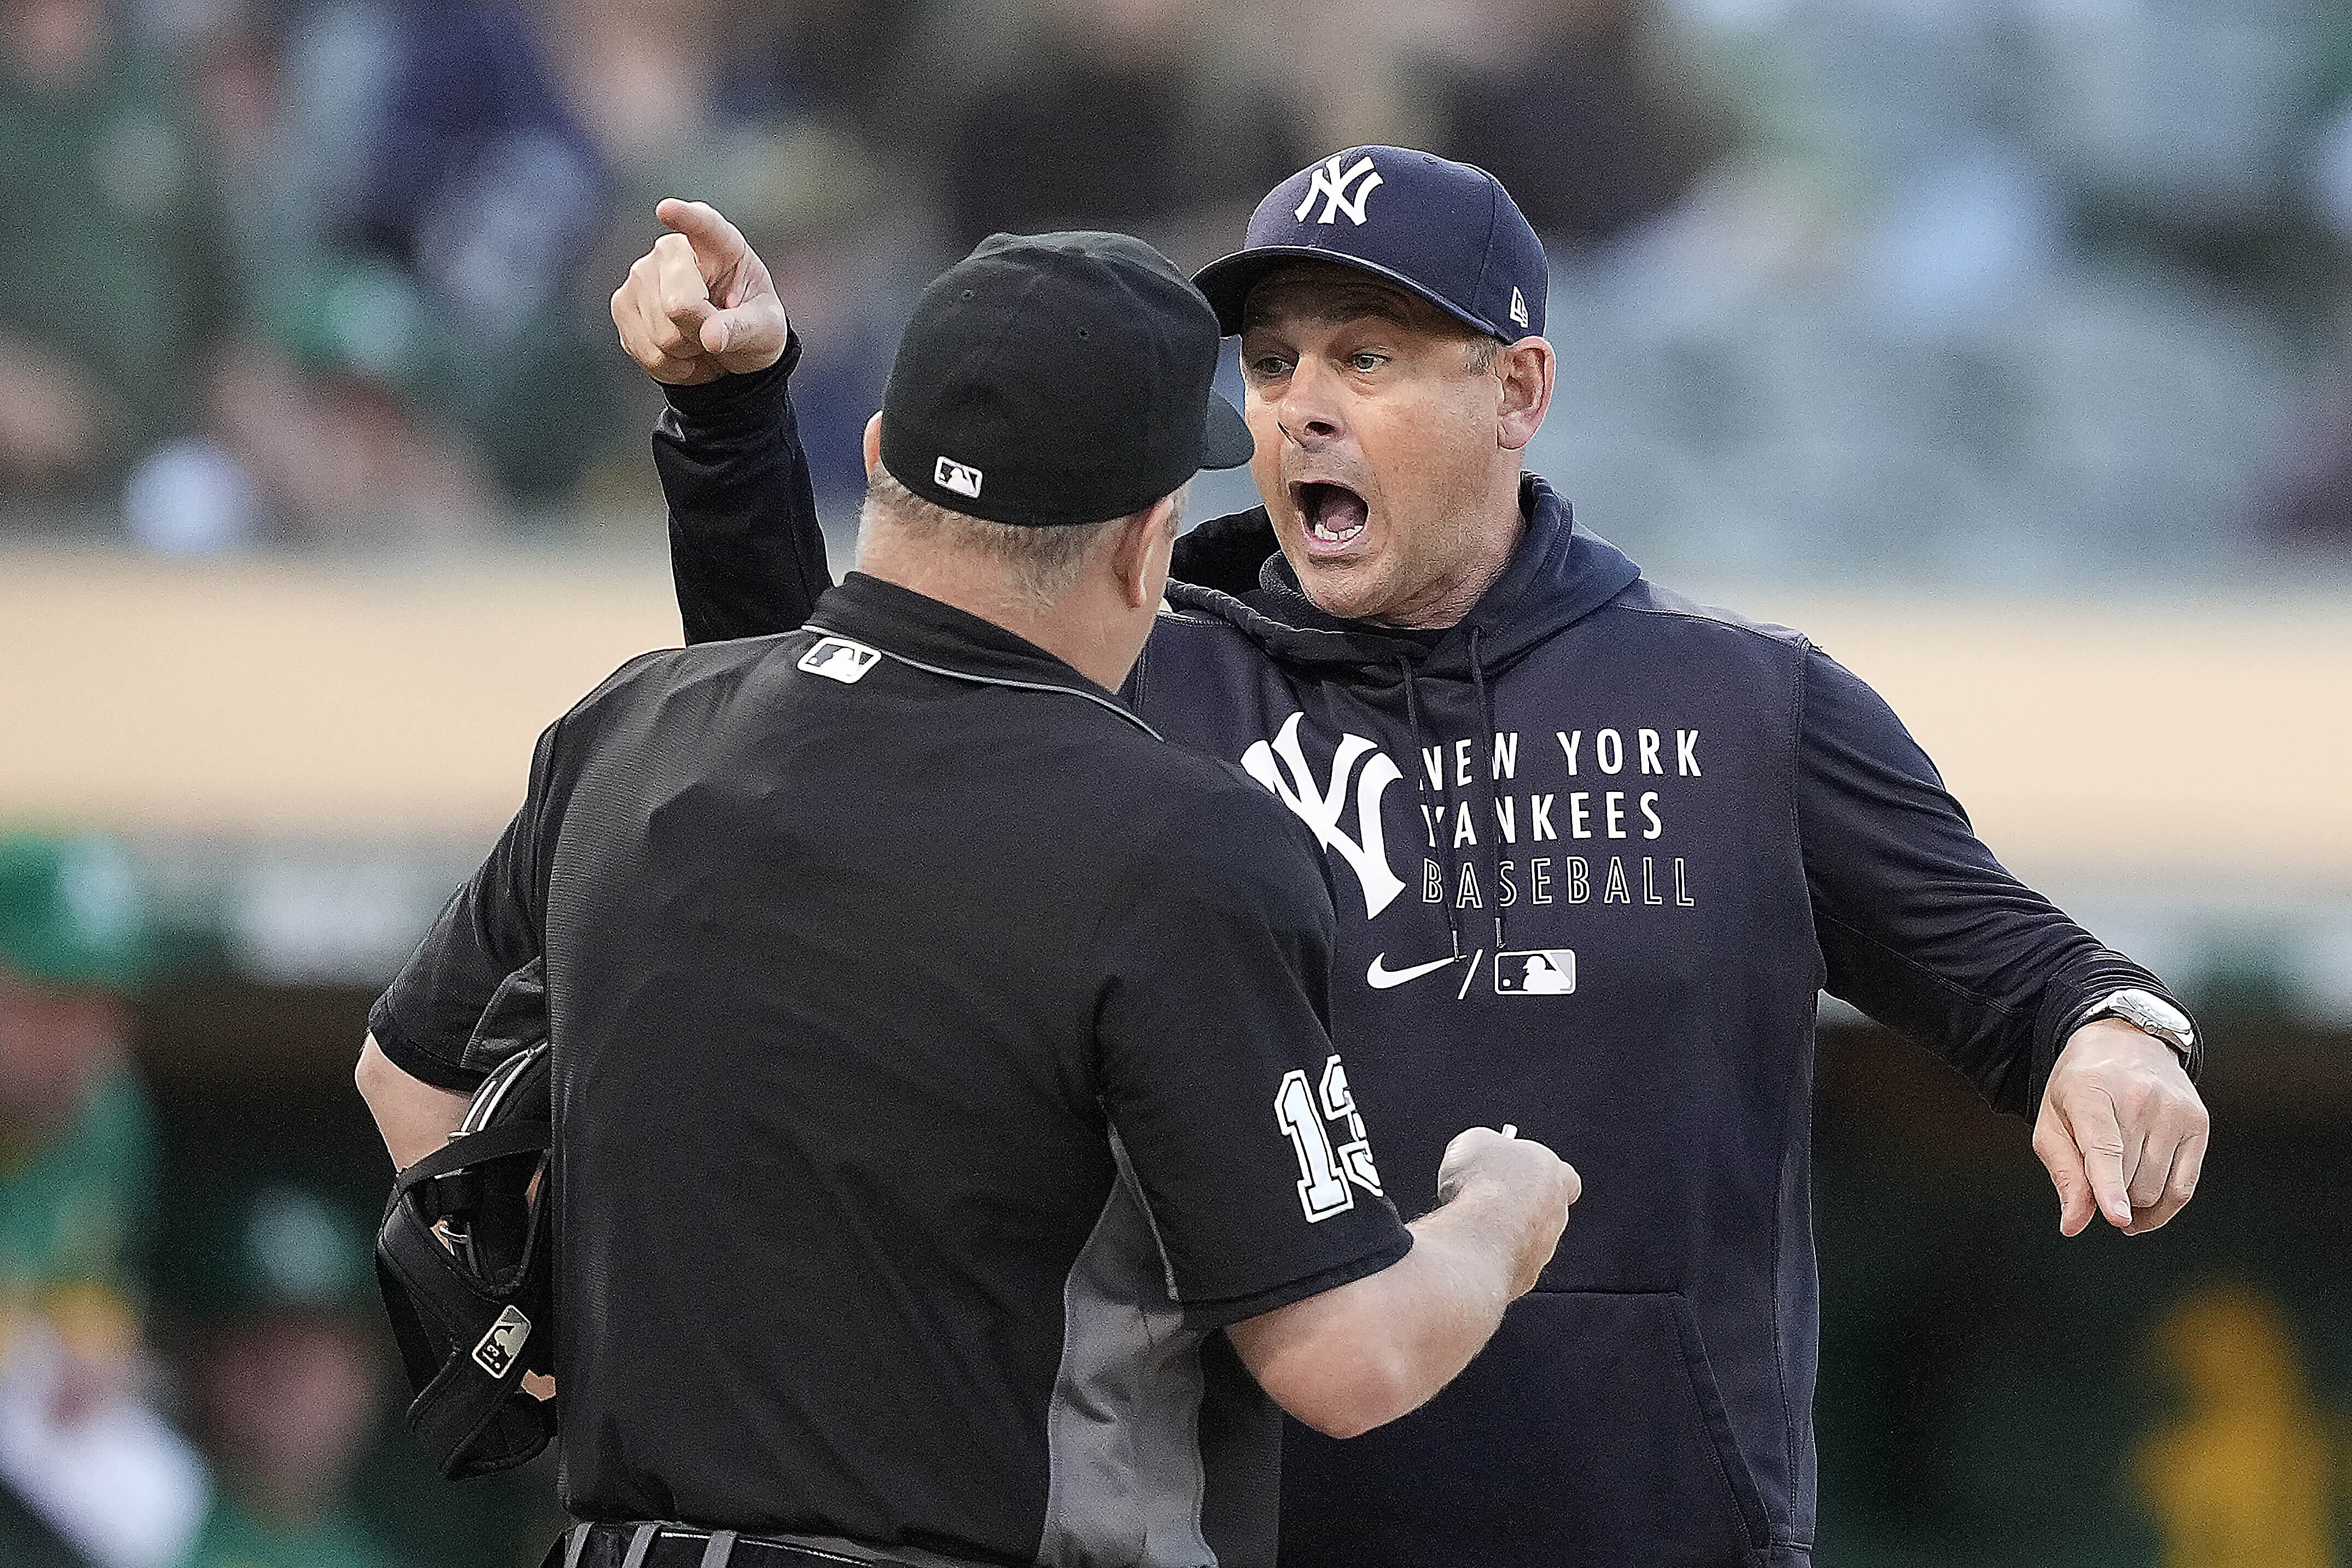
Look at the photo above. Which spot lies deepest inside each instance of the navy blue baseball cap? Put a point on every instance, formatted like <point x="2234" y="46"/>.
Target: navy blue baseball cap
<point x="1447" y="232"/>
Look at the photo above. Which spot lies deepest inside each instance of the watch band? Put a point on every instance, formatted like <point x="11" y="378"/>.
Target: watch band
<point x="2145" y="1011"/>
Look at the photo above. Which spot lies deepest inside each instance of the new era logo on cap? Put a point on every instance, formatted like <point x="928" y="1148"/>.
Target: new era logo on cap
<point x="1519" y="305"/>
<point x="961" y="478"/>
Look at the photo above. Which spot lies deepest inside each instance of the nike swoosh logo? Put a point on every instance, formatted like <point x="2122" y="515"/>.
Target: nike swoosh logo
<point x="1380" y="976"/>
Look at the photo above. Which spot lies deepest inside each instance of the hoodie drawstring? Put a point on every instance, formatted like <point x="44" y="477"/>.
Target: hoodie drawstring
<point x="1489" y="831"/>
<point x="1421" y="779"/>
<point x="1492" y="825"/>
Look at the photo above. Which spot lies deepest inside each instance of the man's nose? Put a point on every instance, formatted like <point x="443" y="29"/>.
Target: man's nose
<point x="1310" y="412"/>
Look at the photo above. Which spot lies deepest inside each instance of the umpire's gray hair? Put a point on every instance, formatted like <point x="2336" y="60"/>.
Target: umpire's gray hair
<point x="1041" y="562"/>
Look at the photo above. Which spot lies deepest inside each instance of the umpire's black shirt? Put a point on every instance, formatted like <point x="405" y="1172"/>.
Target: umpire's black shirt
<point x="940" y="1058"/>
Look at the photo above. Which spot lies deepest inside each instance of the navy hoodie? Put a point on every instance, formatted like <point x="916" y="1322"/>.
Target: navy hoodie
<point x="1594" y="850"/>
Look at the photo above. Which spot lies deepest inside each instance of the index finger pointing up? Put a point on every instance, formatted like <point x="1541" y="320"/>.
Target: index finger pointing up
<point x="716" y="241"/>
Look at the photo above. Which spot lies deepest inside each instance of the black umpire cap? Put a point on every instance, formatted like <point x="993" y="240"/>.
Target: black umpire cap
<point x="1057" y="378"/>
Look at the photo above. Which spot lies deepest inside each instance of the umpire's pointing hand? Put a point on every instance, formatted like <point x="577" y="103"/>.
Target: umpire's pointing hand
<point x="700" y="305"/>
<point x="2121" y="1130"/>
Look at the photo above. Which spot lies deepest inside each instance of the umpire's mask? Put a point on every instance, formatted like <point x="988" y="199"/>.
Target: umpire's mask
<point x="463" y="1258"/>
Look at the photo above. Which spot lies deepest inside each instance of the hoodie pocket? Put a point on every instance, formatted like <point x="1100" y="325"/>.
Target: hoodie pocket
<point x="1589" y="1432"/>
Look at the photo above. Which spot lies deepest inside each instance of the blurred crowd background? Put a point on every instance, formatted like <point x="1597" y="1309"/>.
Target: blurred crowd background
<point x="2063" y="281"/>
<point x="2036" y="304"/>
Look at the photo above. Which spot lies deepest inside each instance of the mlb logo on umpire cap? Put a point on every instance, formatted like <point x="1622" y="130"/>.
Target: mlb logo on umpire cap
<point x="1445" y="231"/>
<point x="962" y="477"/>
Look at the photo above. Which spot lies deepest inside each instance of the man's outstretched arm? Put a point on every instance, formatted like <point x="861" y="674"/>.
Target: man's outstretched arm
<point x="1922" y="928"/>
<point x="700" y="315"/>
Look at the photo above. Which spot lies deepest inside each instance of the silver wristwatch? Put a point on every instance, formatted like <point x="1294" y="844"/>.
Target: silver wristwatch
<point x="2149" y="1013"/>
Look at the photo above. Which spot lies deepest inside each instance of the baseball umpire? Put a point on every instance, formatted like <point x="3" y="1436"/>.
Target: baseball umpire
<point x="940" y="1057"/>
<point x="1594" y="848"/>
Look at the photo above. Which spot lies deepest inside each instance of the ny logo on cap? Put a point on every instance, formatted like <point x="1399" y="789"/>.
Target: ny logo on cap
<point x="1332" y="186"/>
<point x="962" y="477"/>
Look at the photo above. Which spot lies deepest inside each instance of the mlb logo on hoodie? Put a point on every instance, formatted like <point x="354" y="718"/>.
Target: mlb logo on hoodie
<point x="1536" y="972"/>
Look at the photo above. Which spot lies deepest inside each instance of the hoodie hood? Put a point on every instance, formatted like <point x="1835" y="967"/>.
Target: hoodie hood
<point x="1558" y="575"/>
<point x="1231" y="569"/>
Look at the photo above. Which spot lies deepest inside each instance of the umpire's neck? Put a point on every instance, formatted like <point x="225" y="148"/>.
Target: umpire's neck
<point x="1086" y="594"/>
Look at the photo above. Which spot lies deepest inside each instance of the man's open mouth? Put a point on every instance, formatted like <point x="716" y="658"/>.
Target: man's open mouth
<point x="1333" y="513"/>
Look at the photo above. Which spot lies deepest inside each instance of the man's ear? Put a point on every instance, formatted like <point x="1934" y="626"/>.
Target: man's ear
<point x="1526" y="369"/>
<point x="1140" y="558"/>
<point x="873" y="443"/>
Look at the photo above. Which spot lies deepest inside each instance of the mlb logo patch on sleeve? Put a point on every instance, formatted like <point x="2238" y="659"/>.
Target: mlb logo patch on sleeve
<point x="839" y="659"/>
<point x="1536" y="972"/>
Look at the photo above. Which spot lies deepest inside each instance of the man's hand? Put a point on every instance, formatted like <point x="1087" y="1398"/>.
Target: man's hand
<point x="2122" y="1130"/>
<point x="700" y="305"/>
<point x="1368" y="1350"/>
<point x="1479" y="1156"/>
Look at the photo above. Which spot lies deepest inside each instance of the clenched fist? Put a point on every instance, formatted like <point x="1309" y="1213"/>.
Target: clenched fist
<point x="700" y="305"/>
<point x="1543" y="1184"/>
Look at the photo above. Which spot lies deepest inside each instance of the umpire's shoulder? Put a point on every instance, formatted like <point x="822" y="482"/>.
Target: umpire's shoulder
<point x="651" y="676"/>
<point x="1215" y="826"/>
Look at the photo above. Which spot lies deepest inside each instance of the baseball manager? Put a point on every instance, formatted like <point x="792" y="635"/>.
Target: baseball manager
<point x="903" y="1182"/>
<point x="1595" y="847"/>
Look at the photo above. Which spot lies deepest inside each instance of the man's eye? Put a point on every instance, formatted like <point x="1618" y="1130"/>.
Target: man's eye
<point x="1269" y="367"/>
<point x="1367" y="361"/>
